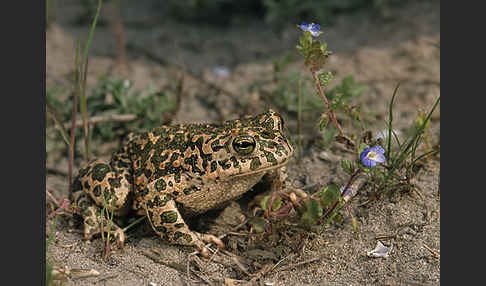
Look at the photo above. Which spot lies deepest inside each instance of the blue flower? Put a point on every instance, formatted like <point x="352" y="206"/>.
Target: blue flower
<point x="348" y="192"/>
<point x="372" y="155"/>
<point x="312" y="28"/>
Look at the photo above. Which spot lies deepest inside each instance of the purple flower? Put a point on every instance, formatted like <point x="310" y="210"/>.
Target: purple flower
<point x="312" y="28"/>
<point x="349" y="191"/>
<point x="372" y="155"/>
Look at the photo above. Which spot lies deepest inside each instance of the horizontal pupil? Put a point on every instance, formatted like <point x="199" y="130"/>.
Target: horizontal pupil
<point x="244" y="144"/>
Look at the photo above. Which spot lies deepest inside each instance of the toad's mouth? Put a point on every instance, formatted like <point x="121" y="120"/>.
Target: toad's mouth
<point x="262" y="169"/>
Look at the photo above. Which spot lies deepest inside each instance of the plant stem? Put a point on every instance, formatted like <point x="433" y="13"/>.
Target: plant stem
<point x="342" y="195"/>
<point x="73" y="125"/>
<point x="299" y="117"/>
<point x="331" y="112"/>
<point x="134" y="223"/>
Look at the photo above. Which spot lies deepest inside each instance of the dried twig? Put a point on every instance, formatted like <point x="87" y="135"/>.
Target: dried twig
<point x="301" y="263"/>
<point x="434" y="253"/>
<point x="83" y="273"/>
<point x="280" y="261"/>
<point x="51" y="196"/>
<point x="105" y="118"/>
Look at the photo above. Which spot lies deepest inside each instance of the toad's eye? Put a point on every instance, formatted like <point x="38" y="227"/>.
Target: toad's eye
<point x="244" y="145"/>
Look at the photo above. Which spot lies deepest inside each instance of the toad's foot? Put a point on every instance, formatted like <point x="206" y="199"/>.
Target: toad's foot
<point x="206" y="238"/>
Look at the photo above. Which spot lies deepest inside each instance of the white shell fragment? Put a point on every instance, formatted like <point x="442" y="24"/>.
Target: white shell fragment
<point x="380" y="251"/>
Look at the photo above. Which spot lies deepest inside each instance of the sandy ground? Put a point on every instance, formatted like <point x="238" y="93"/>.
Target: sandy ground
<point x="399" y="45"/>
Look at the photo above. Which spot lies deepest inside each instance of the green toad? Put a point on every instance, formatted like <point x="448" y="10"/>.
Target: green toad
<point x="182" y="169"/>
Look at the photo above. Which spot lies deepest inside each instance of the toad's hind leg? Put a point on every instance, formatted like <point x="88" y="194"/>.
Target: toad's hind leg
<point x="167" y="222"/>
<point x="98" y="186"/>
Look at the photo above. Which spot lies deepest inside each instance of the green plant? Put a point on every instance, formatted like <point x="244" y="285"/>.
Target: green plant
<point x="384" y="169"/>
<point x="294" y="91"/>
<point x="111" y="98"/>
<point x="315" y="56"/>
<point x="395" y="169"/>
<point x="106" y="214"/>
<point x="403" y="160"/>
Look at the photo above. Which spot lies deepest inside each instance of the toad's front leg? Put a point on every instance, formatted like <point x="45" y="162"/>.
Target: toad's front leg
<point x="168" y="223"/>
<point x="275" y="179"/>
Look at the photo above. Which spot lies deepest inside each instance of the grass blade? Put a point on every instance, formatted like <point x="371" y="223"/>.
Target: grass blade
<point x="85" y="116"/>
<point x="83" y="93"/>
<point x="411" y="143"/>
<point x="91" y="32"/>
<point x="60" y="127"/>
<point x="390" y="123"/>
<point x="424" y="155"/>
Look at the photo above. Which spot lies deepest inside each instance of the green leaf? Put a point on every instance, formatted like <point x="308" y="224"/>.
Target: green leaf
<point x="325" y="78"/>
<point x="354" y="224"/>
<point x="361" y="148"/>
<point x="337" y="217"/>
<point x="277" y="203"/>
<point x="324" y="121"/>
<point x="347" y="166"/>
<point x="258" y="223"/>
<point x="264" y="202"/>
<point x="313" y="211"/>
<point x="307" y="220"/>
<point x="314" y="208"/>
<point x="330" y="195"/>
<point x="324" y="49"/>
